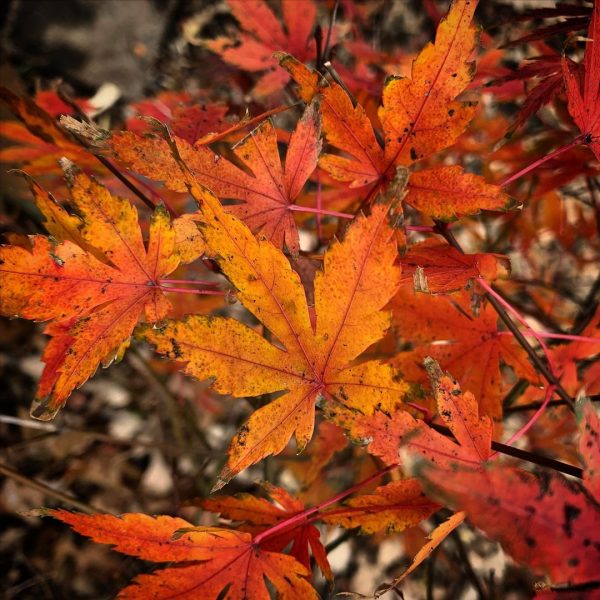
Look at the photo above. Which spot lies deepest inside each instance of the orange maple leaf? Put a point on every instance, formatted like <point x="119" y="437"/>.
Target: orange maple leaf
<point x="41" y="142"/>
<point x="436" y="537"/>
<point x="473" y="347"/>
<point x="266" y="196"/>
<point x="212" y="559"/>
<point x="93" y="285"/>
<point x="189" y="117"/>
<point x="308" y="360"/>
<point x="263" y="34"/>
<point x="436" y="267"/>
<point x="387" y="435"/>
<point x="257" y="515"/>
<point x="419" y="116"/>
<point x="390" y="508"/>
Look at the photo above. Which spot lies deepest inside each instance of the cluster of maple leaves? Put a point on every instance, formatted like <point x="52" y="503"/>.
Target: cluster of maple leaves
<point x="362" y="299"/>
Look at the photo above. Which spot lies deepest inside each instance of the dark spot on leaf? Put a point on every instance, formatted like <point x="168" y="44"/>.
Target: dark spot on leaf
<point x="571" y="513"/>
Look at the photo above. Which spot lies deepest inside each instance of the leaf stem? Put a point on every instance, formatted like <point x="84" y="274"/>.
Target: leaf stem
<point x="176" y="290"/>
<point x="190" y="281"/>
<point x="560" y="336"/>
<point x="420" y="228"/>
<point x="320" y="211"/>
<point x="538" y="413"/>
<point x="306" y="514"/>
<point x="578" y="140"/>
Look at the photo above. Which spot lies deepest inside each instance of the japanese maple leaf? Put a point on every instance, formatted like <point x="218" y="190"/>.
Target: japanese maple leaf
<point x="190" y="118"/>
<point x="211" y="559"/>
<point x="387" y="435"/>
<point x="436" y="537"/>
<point x="390" y="508"/>
<point x="419" y="116"/>
<point x="263" y="34"/>
<point x="570" y="361"/>
<point x="93" y="285"/>
<point x="472" y="350"/>
<point x="307" y="360"/>
<point x="584" y="93"/>
<point x="544" y="80"/>
<point x="266" y="196"/>
<point x="437" y="268"/>
<point x="544" y="521"/>
<point x="257" y="515"/>
<point x="41" y="142"/>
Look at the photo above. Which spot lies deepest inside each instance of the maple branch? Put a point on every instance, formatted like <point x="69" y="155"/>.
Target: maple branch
<point x="104" y="161"/>
<point x="537" y="361"/>
<point x="536" y="405"/>
<point x="443" y="229"/>
<point x="327" y="49"/>
<point x="588" y="307"/>
<point x="47" y="490"/>
<point x="468" y="567"/>
<point x="336" y="77"/>
<point x="50" y="429"/>
<point x="309" y="512"/>
<point x="108" y="164"/>
<point x="318" y="35"/>
<point x="578" y="140"/>
<point x="536" y="459"/>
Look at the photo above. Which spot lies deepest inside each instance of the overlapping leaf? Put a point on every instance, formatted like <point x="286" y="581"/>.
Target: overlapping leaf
<point x="391" y="508"/>
<point x="40" y="141"/>
<point x="387" y="435"/>
<point x="212" y="559"/>
<point x="257" y="515"/>
<point x="265" y="197"/>
<point x="544" y="521"/>
<point x="437" y="268"/>
<point x="93" y="285"/>
<point x="584" y="93"/>
<point x="307" y="360"/>
<point x="436" y="537"/>
<point x="473" y="347"/>
<point x="419" y="115"/>
<point x="263" y="34"/>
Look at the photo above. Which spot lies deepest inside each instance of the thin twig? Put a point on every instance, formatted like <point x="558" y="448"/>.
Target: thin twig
<point x="536" y="405"/>
<point x="105" y="162"/>
<point x="47" y="490"/>
<point x="327" y="49"/>
<point x="536" y="459"/>
<point x="466" y="563"/>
